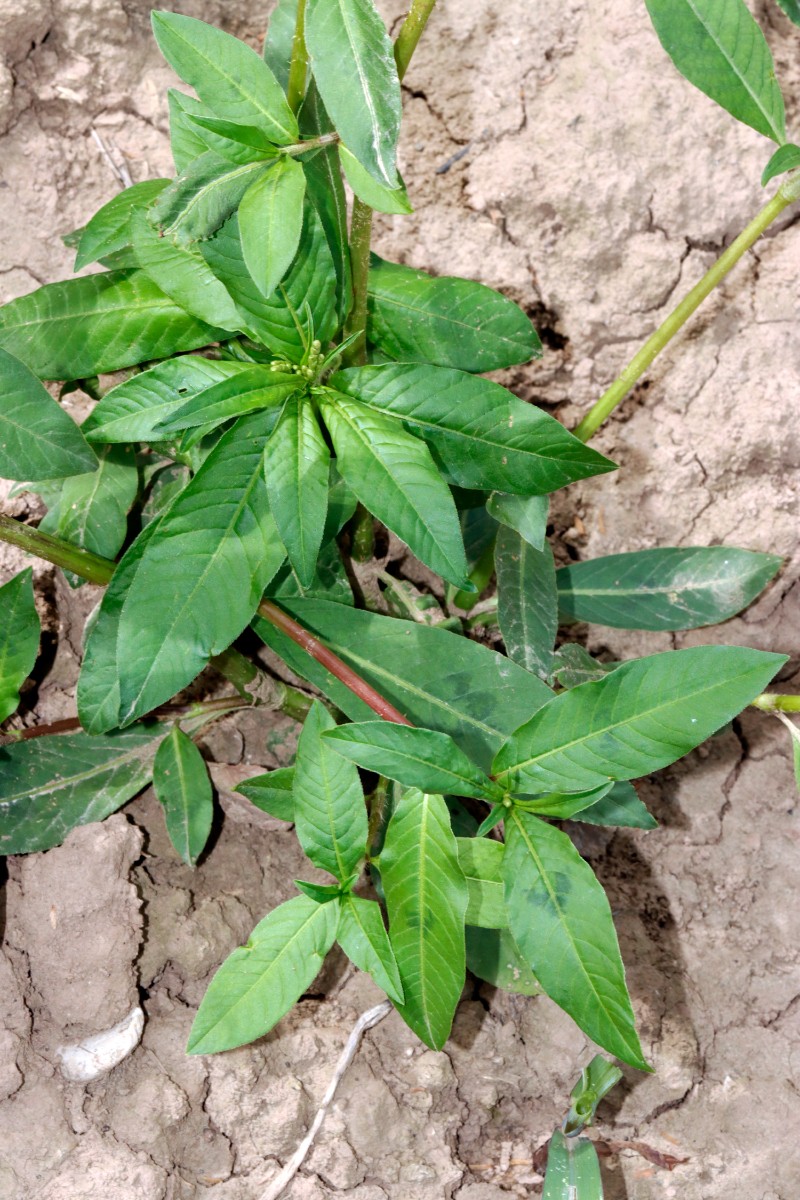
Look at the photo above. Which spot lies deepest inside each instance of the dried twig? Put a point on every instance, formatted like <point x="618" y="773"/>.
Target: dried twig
<point x="120" y="170"/>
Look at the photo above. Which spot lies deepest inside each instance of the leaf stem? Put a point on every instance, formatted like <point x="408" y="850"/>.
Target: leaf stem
<point x="410" y="33"/>
<point x="54" y="550"/>
<point x="773" y="702"/>
<point x="298" y="67"/>
<point x="600" y="412"/>
<point x="317" y="143"/>
<point x="198" y="708"/>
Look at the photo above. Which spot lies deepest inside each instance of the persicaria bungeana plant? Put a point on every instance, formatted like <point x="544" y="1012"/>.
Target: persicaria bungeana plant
<point x="285" y="390"/>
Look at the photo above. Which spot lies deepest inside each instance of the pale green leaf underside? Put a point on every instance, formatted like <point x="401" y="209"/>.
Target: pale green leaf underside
<point x="573" y="1170"/>
<point x="527" y="608"/>
<point x="785" y="158"/>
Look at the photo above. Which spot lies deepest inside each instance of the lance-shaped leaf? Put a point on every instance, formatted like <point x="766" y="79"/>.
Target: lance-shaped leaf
<point x="438" y="679"/>
<point x="573" y="665"/>
<point x="481" y="860"/>
<point x="38" y="440"/>
<point x="202" y="197"/>
<point x="181" y="783"/>
<point x="561" y="920"/>
<point x="563" y="805"/>
<point x="99" y="323"/>
<point x="415" y="317"/>
<point x="272" y="792"/>
<point x="484" y="436"/>
<point x="717" y="46"/>
<point x="785" y="158"/>
<point x="573" y="1169"/>
<point x="329" y="581"/>
<point x="394" y="476"/>
<point x="197" y="584"/>
<point x="347" y="40"/>
<point x="259" y="982"/>
<point x="51" y="784"/>
<point x="187" y="141"/>
<point x="642" y="716"/>
<point x="278" y="42"/>
<point x="229" y="139"/>
<point x="19" y="639"/>
<point x="420" y="758"/>
<point x="270" y="222"/>
<point x="109" y="230"/>
<point x="135" y="409"/>
<point x="426" y="897"/>
<point x="326" y="192"/>
<point x="493" y="955"/>
<point x="329" y="811"/>
<point x="526" y="515"/>
<point x="363" y="937"/>
<point x="664" y="588"/>
<point x="311" y="279"/>
<point x="620" y="806"/>
<point x="297" y="469"/>
<point x="245" y="392"/>
<point x="366" y="187"/>
<point x="527" y="608"/>
<point x="227" y="75"/>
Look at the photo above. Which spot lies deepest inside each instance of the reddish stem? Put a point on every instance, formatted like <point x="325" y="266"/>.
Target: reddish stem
<point x="337" y="667"/>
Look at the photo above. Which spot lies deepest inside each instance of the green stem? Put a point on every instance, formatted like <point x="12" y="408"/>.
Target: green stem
<point x="89" y="566"/>
<point x="317" y="143"/>
<point x="680" y="315"/>
<point x="773" y="702"/>
<point x="410" y="33"/>
<point x="298" y="67"/>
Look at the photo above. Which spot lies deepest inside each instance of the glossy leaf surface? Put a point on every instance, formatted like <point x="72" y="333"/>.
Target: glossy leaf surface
<point x="493" y="955"/>
<point x="181" y="783"/>
<point x="297" y="469"/>
<point x="92" y="509"/>
<point x="619" y="807"/>
<point x="243" y="392"/>
<point x="38" y="439"/>
<point x="363" y="937"/>
<point x="785" y="158"/>
<point x="526" y="515"/>
<point x="527" y="607"/>
<point x="19" y="639"/>
<point x="573" y="1170"/>
<point x="366" y="187"/>
<point x="272" y="792"/>
<point x="326" y="191"/>
<point x="481" y="860"/>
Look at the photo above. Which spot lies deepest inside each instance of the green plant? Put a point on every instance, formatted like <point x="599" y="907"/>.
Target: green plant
<point x="335" y="388"/>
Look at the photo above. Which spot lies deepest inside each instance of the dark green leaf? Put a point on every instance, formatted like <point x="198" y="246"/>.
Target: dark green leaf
<point x="527" y="608"/>
<point x="481" y="860"/>
<point x="227" y="75"/>
<point x="366" y="187"/>
<point x="231" y="140"/>
<point x="527" y="515"/>
<point x="99" y="323"/>
<point x="326" y="191"/>
<point x="322" y="893"/>
<point x="109" y="229"/>
<point x="717" y="46"/>
<point x="792" y="9"/>
<point x="198" y="583"/>
<point x="353" y="65"/>
<point x="491" y="820"/>
<point x="92" y="509"/>
<point x="186" y="140"/>
<point x="181" y="783"/>
<point x="418" y="758"/>
<point x="561" y="920"/>
<point x="260" y="981"/>
<point x="297" y="468"/>
<point x="38" y="440"/>
<point x="493" y="955"/>
<point x="620" y="807"/>
<point x="438" y="679"/>
<point x="415" y="317"/>
<point x="564" y="805"/>
<point x="484" y="435"/>
<point x="574" y="665"/>
<point x="245" y="392"/>
<point x="363" y="937"/>
<point x="785" y="158"/>
<point x="203" y="196"/>
<point x="426" y="897"/>
<point x="642" y="716"/>
<point x="270" y="222"/>
<point x="278" y="42"/>
<point x="329" y="582"/>
<point x="19" y="640"/>
<point x="51" y="784"/>
<point x="394" y="476"/>
<point x="573" y="1169"/>
<point x="664" y="588"/>
<point x="272" y="792"/>
<point x="163" y="487"/>
<point x="329" y="811"/>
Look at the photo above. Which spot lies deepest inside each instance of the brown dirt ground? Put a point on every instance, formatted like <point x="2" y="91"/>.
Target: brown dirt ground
<point x="593" y="186"/>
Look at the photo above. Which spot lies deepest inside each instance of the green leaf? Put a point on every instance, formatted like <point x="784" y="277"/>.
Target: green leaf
<point x="270" y="222"/>
<point x="202" y="197"/>
<point x="366" y="187"/>
<point x="717" y="46"/>
<point x="163" y="486"/>
<point x="620" y="807"/>
<point x="325" y="189"/>
<point x="51" y="784"/>
<point x="229" y="139"/>
<point x="418" y="758"/>
<point x="260" y="981"/>
<point x="493" y="955"/>
<point x="297" y="468"/>
<point x="481" y="861"/>
<point x="19" y="639"/>
<point x="574" y="665"/>
<point x="347" y="41"/>
<point x="181" y="783"/>
<point x="363" y="937"/>
<point x="272" y="792"/>
<point x="564" y="805"/>
<point x="438" y="679"/>
<point x="134" y="410"/>
<point x="426" y="897"/>
<point x="92" y="509"/>
<point x="322" y="893"/>
<point x="109" y="229"/>
<point x="664" y="588"/>
<point x="186" y="140"/>
<point x="415" y="317"/>
<point x="97" y="324"/>
<point x="527" y="515"/>
<point x="394" y="476"/>
<point x="561" y="920"/>
<point x="485" y="436"/>
<point x="245" y="392"/>
<point x="329" y="812"/>
<point x="38" y="440"/>
<point x="527" y="608"/>
<point x="329" y="581"/>
<point x="198" y="583"/>
<point x="311" y="280"/>
<point x="278" y="42"/>
<point x="792" y="9"/>
<point x="227" y="75"/>
<point x="642" y="716"/>
<point x="785" y="158"/>
<point x="182" y="274"/>
<point x="573" y="1169"/>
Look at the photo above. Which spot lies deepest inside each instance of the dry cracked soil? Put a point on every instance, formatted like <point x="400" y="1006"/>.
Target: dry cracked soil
<point x="551" y="151"/>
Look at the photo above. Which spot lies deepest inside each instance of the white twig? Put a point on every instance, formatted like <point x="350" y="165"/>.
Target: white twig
<point x="366" y="1021"/>
<point x="120" y="170"/>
